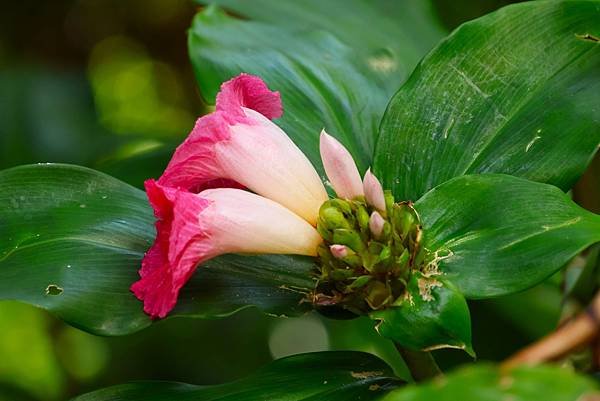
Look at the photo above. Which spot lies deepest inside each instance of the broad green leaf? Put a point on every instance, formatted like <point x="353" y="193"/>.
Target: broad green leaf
<point x="434" y="315"/>
<point x="320" y="84"/>
<point x="406" y="29"/>
<point x="72" y="240"/>
<point x="513" y="92"/>
<point x="316" y="376"/>
<point x="502" y="233"/>
<point x="327" y="79"/>
<point x="487" y="383"/>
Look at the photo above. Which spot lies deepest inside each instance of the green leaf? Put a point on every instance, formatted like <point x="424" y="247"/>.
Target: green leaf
<point x="486" y="383"/>
<point x="513" y="92"/>
<point x="73" y="240"/>
<point x="405" y="30"/>
<point x="503" y="233"/>
<point x="338" y="78"/>
<point x="316" y="376"/>
<point x="434" y="315"/>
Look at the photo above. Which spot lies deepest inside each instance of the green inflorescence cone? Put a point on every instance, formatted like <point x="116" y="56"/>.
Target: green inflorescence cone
<point x="370" y="270"/>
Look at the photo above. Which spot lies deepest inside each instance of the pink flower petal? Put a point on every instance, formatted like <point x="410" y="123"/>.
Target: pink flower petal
<point x="243" y="147"/>
<point x="376" y="223"/>
<point x="193" y="166"/>
<point x="202" y="226"/>
<point x="161" y="200"/>
<point x="159" y="284"/>
<point x="243" y="222"/>
<point x="250" y="92"/>
<point x="339" y="251"/>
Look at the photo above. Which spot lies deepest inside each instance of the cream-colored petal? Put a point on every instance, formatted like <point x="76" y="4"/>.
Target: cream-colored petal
<point x="240" y="221"/>
<point x="263" y="158"/>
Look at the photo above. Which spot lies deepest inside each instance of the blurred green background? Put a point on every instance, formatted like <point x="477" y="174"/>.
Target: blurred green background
<point x="108" y="84"/>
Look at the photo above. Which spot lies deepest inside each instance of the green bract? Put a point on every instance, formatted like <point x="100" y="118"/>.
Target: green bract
<point x="375" y="268"/>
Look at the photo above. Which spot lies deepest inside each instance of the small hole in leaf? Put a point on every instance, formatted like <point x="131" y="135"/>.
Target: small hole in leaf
<point x="53" y="289"/>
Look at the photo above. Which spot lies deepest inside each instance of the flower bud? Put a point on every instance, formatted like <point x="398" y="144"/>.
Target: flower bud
<point x="340" y="168"/>
<point x="374" y="192"/>
<point x="339" y="251"/>
<point x="332" y="218"/>
<point x="350" y="238"/>
<point x="376" y="223"/>
<point x="362" y="216"/>
<point x="404" y="218"/>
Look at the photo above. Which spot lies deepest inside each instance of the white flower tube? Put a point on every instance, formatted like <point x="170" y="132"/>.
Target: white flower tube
<point x="193" y="228"/>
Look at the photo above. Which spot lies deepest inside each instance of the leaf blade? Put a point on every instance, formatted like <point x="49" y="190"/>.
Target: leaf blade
<point x="314" y="376"/>
<point x="498" y="95"/>
<point x="486" y="382"/>
<point x="73" y="240"/>
<point x="504" y="233"/>
<point x="323" y="73"/>
<point x="429" y="318"/>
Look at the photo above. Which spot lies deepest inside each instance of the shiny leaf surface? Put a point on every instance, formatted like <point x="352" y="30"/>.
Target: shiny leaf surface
<point x="73" y="239"/>
<point x="434" y="315"/>
<point x="337" y="78"/>
<point x="317" y="376"/>
<point x="515" y="92"/>
<point x="503" y="234"/>
<point x="486" y="383"/>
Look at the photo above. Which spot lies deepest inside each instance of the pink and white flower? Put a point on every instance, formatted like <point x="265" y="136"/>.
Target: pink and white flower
<point x="203" y="204"/>
<point x="239" y="145"/>
<point x="193" y="228"/>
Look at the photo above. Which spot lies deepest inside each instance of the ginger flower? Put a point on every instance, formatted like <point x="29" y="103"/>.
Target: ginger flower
<point x="238" y="184"/>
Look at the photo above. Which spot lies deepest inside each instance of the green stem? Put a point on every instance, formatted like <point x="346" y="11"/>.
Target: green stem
<point x="421" y="364"/>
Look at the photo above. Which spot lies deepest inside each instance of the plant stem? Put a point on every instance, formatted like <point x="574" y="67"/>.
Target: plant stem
<point x="421" y="364"/>
<point x="576" y="333"/>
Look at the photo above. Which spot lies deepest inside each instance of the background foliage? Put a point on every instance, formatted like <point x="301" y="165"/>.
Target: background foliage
<point x="108" y="85"/>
